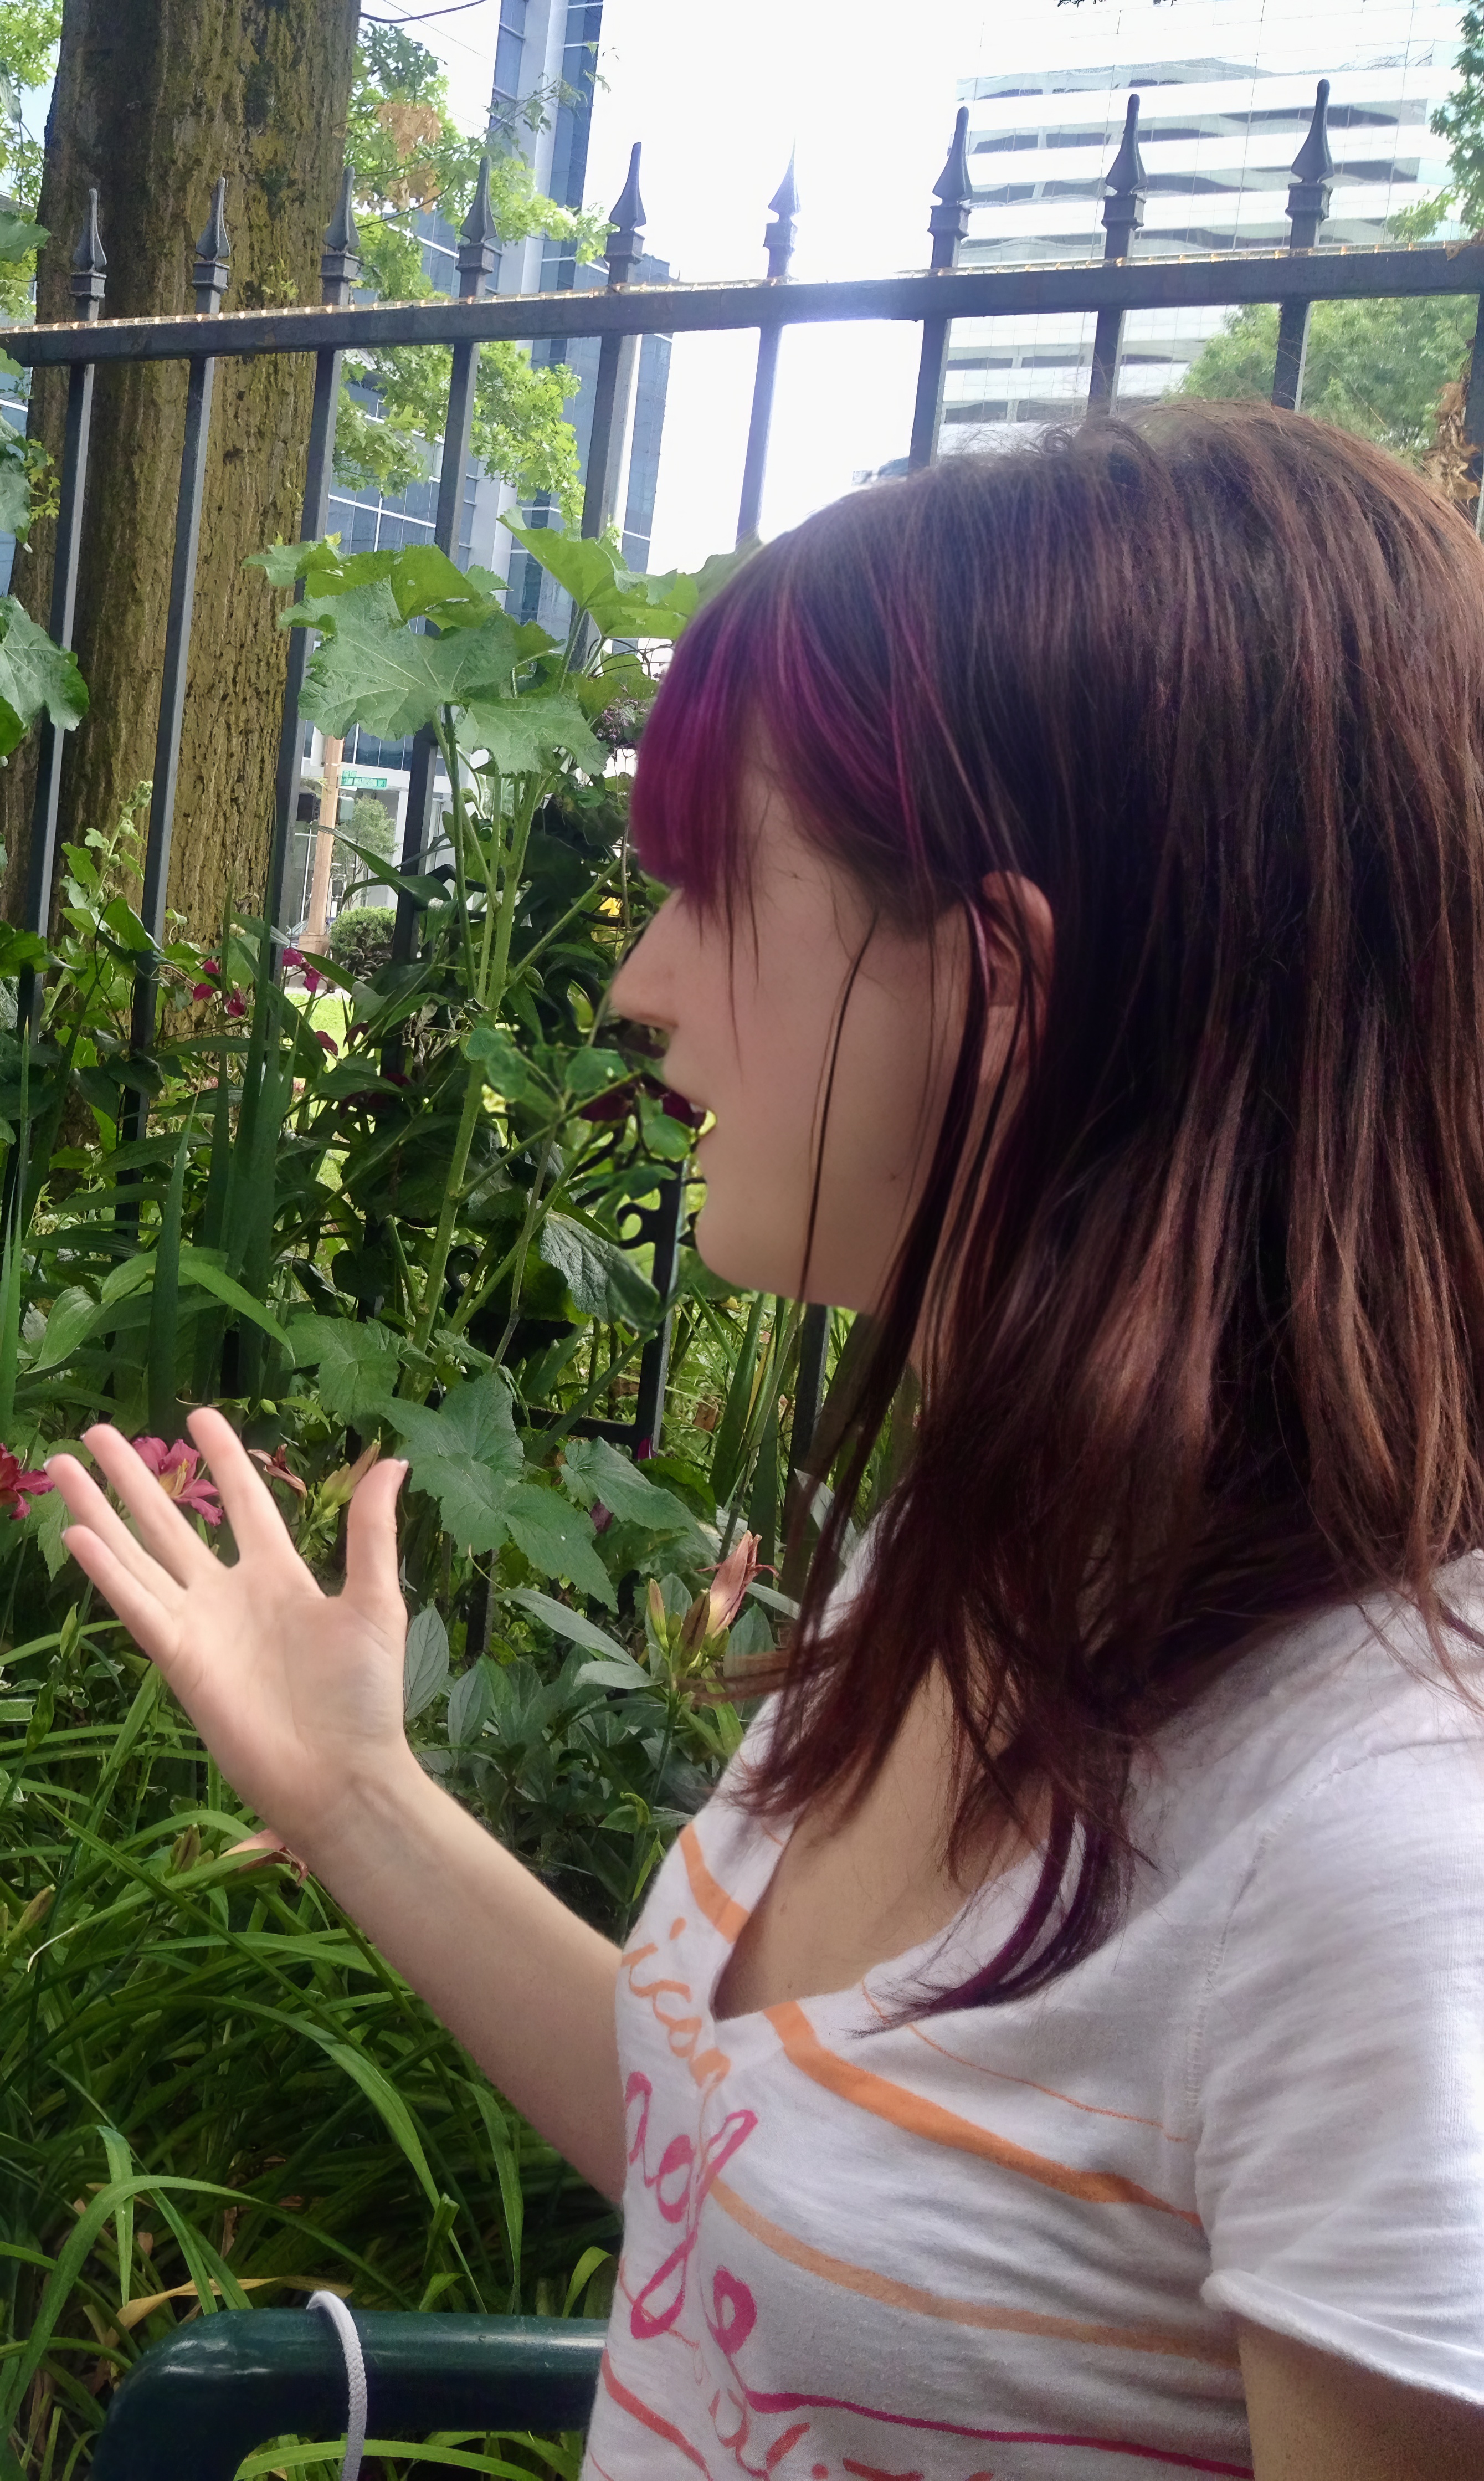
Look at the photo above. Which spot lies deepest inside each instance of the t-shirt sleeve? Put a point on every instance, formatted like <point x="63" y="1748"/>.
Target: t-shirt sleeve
<point x="1338" y="2072"/>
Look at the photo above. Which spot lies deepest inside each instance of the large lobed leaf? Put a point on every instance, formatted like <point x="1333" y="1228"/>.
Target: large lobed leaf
<point x="33" y="674"/>
<point x="372" y="668"/>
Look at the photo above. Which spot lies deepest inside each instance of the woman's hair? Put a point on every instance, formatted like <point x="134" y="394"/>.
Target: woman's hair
<point x="1208" y="1301"/>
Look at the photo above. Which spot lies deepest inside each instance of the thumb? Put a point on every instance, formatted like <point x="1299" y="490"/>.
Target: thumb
<point x="371" y="1578"/>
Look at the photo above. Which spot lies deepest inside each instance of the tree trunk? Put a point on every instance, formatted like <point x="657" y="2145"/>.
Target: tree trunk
<point x="154" y="100"/>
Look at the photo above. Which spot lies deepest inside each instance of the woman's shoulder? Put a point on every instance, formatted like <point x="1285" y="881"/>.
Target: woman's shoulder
<point x="1332" y="1696"/>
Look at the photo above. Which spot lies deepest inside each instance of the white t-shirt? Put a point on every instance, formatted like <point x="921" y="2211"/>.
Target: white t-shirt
<point x="1012" y="2243"/>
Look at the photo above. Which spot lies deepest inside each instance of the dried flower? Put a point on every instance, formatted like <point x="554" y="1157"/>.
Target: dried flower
<point x="265" y="1847"/>
<point x="18" y="1486"/>
<point x="177" y="1469"/>
<point x="602" y="1517"/>
<point x="276" y="1468"/>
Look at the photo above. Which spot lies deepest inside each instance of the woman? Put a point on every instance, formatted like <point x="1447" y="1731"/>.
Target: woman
<point x="1058" y="2049"/>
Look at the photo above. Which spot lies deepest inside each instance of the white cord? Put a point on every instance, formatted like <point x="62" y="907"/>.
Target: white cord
<point x="344" y="2324"/>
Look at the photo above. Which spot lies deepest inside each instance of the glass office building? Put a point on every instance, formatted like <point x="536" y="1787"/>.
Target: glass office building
<point x="1226" y="91"/>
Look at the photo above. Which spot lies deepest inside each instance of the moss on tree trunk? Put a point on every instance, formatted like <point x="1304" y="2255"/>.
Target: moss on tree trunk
<point x="154" y="100"/>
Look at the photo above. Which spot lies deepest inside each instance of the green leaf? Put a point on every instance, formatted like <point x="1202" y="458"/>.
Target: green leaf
<point x="425" y="1666"/>
<point x="592" y="1469"/>
<point x="471" y="1704"/>
<point x="33" y="674"/>
<point x="565" y="1623"/>
<point x="466" y="1456"/>
<point x="557" y="1541"/>
<point x="506" y="1066"/>
<point x="14" y="485"/>
<point x="74" y="1314"/>
<point x="19" y="237"/>
<point x="471" y="1499"/>
<point x="521" y="735"/>
<point x="200" y="1266"/>
<point x="384" y="2098"/>
<point x="19" y="948"/>
<point x="372" y="668"/>
<point x="359" y="1362"/>
<point x="589" y="1071"/>
<point x="475" y="1420"/>
<point x="604" y="1282"/>
<point x="620" y="1673"/>
<point x="124" y="925"/>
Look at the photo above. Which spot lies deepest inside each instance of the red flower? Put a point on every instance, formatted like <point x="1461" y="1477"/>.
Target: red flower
<point x="292" y="956"/>
<point x="236" y="1004"/>
<point x="314" y="982"/>
<point x="325" y="1044"/>
<point x="209" y="965"/>
<point x="17" y="1487"/>
<point x="177" y="1469"/>
<point x="203" y="990"/>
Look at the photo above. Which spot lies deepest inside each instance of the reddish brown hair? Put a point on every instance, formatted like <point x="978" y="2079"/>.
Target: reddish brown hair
<point x="1214" y="680"/>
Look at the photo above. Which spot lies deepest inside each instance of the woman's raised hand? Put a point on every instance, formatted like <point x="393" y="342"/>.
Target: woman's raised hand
<point x="297" y="1693"/>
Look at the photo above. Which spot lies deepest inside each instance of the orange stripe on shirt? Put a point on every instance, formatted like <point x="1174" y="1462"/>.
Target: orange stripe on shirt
<point x="648" y="2419"/>
<point x="720" y="1909"/>
<point x="870" y="2286"/>
<point x="905" y="2110"/>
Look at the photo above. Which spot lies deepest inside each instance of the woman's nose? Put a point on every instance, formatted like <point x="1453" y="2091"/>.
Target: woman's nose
<point x="643" y="988"/>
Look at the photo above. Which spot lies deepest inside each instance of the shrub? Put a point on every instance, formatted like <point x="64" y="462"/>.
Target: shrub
<point x="360" y="938"/>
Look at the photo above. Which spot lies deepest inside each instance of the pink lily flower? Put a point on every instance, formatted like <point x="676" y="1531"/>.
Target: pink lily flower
<point x="18" y="1487"/>
<point x="177" y="1469"/>
<point x="728" y="1588"/>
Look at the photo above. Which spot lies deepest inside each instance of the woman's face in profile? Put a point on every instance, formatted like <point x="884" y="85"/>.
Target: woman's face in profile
<point x="751" y="1020"/>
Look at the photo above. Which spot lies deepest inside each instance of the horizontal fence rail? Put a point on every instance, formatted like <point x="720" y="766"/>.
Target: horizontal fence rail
<point x="1106" y="288"/>
<point x="1219" y="281"/>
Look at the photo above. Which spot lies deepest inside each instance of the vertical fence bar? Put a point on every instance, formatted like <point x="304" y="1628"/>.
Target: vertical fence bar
<point x="338" y="267"/>
<point x="477" y="246"/>
<point x="211" y="273"/>
<point x="612" y="396"/>
<point x="809" y="1385"/>
<point x="1473" y="419"/>
<point x="1122" y="213"/>
<point x="90" y="273"/>
<point x="778" y="242"/>
<point x="662" y="1226"/>
<point x="947" y="224"/>
<point x="1307" y="206"/>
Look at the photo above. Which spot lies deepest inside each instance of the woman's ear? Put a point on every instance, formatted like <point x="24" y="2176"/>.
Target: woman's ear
<point x="1020" y="937"/>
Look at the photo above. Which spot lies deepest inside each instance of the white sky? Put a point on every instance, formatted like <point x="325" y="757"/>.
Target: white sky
<point x="719" y="92"/>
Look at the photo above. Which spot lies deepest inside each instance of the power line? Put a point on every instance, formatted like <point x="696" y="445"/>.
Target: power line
<point x="454" y="9"/>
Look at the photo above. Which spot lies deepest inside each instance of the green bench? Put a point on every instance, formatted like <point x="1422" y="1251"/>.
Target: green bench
<point x="192" y="2408"/>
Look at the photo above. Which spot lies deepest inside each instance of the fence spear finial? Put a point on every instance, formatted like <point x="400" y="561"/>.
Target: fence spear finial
<point x="478" y="240"/>
<point x="212" y="266"/>
<point x="626" y="241"/>
<point x="90" y="266"/>
<point x="1313" y="173"/>
<point x="953" y="191"/>
<point x="1125" y="187"/>
<point x="778" y="239"/>
<point x="340" y="260"/>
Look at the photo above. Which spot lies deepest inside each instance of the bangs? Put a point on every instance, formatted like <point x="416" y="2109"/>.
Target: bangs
<point x="813" y="663"/>
<point x="686" y="810"/>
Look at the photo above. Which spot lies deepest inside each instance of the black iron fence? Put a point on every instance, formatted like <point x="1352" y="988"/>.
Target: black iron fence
<point x="1109" y="288"/>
